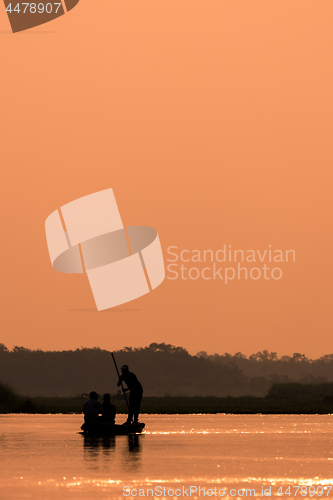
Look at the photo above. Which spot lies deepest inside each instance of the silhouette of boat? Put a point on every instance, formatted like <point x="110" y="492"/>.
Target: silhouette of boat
<point x="103" y="429"/>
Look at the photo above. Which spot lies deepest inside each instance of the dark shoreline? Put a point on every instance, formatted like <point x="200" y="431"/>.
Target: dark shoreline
<point x="183" y="405"/>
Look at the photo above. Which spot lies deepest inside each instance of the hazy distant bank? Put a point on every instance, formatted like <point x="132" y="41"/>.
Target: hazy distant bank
<point x="282" y="399"/>
<point x="163" y="369"/>
<point x="177" y="405"/>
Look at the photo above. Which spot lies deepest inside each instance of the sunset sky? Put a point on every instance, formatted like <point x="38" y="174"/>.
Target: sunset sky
<point x="211" y="120"/>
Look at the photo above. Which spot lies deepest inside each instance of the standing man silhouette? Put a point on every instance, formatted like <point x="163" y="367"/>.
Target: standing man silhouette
<point x="135" y="396"/>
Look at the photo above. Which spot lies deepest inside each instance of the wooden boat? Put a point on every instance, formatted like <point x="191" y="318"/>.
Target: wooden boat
<point x="103" y="429"/>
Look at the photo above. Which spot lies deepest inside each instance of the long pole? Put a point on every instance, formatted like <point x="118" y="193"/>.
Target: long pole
<point x="115" y="364"/>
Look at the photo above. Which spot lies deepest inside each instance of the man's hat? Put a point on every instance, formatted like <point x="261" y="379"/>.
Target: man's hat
<point x="124" y="367"/>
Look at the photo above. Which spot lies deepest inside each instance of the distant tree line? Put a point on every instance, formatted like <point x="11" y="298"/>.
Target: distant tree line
<point x="265" y="366"/>
<point x="163" y="369"/>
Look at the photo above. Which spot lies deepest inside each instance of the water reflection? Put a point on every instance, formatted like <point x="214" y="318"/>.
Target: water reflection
<point x="94" y="445"/>
<point x="134" y="443"/>
<point x="103" y="447"/>
<point x="131" y="457"/>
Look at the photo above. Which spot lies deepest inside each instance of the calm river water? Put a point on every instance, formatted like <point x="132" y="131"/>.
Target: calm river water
<point x="179" y="456"/>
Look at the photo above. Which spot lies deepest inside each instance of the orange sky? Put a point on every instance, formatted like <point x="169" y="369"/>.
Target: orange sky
<point x="212" y="122"/>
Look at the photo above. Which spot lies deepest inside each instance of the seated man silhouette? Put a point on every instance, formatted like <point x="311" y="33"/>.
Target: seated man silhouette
<point x="91" y="409"/>
<point x="135" y="397"/>
<point x="108" y="410"/>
